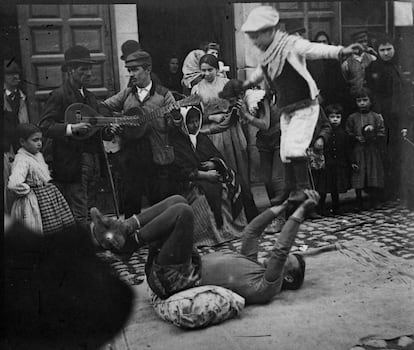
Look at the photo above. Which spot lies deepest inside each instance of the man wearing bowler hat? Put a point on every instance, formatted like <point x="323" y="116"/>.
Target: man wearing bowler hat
<point x="282" y="63"/>
<point x="14" y="113"/>
<point x="131" y="46"/>
<point x="74" y="162"/>
<point x="145" y="157"/>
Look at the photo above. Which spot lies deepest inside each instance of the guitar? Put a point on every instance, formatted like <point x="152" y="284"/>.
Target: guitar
<point x="135" y="117"/>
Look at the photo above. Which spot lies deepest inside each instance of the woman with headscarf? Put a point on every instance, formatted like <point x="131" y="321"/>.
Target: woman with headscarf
<point x="203" y="177"/>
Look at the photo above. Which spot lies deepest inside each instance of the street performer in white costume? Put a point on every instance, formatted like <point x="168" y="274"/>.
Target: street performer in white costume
<point x="282" y="63"/>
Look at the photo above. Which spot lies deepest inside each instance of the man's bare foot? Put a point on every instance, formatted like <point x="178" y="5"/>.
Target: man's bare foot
<point x="109" y="233"/>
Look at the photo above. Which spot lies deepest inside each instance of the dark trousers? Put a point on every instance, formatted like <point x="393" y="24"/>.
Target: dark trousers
<point x="170" y="223"/>
<point x="78" y="194"/>
<point x="141" y="176"/>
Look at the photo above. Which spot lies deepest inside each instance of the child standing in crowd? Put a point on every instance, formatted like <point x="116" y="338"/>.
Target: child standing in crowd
<point x="334" y="178"/>
<point x="40" y="205"/>
<point x="366" y="129"/>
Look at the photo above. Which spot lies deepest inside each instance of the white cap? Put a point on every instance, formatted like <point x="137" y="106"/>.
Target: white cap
<point x="260" y="18"/>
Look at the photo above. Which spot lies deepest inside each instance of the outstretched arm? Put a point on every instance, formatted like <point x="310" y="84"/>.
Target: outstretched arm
<point x="252" y="232"/>
<point x="287" y="237"/>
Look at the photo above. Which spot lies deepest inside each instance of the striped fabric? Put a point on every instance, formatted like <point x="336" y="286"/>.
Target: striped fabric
<point x="206" y="232"/>
<point x="55" y="212"/>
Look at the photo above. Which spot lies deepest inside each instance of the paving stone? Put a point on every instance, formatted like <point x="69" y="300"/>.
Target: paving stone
<point x="329" y="237"/>
<point x="376" y="343"/>
<point x="404" y="341"/>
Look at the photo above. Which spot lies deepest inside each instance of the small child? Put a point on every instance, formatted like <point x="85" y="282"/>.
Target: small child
<point x="366" y="129"/>
<point x="40" y="205"/>
<point x="334" y="178"/>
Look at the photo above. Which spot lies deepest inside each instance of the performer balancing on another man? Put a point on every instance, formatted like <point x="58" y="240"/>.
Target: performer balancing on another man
<point x="282" y="64"/>
<point x="173" y="264"/>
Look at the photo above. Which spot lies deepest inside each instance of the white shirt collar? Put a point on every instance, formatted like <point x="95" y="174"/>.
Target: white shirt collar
<point x="147" y="88"/>
<point x="8" y="92"/>
<point x="143" y="92"/>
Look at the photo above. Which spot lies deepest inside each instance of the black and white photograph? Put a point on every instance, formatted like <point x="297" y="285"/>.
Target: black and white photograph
<point x="208" y="175"/>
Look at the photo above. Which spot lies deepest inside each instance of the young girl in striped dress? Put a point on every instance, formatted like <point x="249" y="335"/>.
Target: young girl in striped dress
<point x="39" y="204"/>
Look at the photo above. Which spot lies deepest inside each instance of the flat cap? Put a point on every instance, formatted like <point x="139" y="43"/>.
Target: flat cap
<point x="361" y="34"/>
<point x="261" y="18"/>
<point x="138" y="58"/>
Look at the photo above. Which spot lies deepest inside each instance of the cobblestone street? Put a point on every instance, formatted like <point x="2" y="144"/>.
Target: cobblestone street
<point x="390" y="227"/>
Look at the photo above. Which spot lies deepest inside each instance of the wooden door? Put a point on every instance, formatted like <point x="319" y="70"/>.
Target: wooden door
<point x="46" y="31"/>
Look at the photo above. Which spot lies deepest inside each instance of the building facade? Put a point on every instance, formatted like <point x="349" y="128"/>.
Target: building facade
<point x="44" y="32"/>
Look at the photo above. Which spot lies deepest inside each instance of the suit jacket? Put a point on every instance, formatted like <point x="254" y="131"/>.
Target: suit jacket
<point x="66" y="151"/>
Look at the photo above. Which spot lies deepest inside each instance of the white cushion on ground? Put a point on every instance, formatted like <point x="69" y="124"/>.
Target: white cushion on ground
<point x="198" y="307"/>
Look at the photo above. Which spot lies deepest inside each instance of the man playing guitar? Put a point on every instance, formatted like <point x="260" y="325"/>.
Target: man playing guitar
<point x="75" y="161"/>
<point x="145" y="155"/>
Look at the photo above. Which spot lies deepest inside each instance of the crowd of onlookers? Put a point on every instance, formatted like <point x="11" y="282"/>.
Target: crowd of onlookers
<point x="199" y="147"/>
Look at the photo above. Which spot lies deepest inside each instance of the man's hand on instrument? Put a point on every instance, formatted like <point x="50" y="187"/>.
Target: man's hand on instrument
<point x="404" y="132"/>
<point x="208" y="165"/>
<point x="173" y="106"/>
<point x="81" y="128"/>
<point x="115" y="129"/>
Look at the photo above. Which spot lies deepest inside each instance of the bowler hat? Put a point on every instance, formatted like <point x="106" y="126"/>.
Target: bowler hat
<point x="129" y="47"/>
<point x="261" y="18"/>
<point x="11" y="67"/>
<point x="76" y="55"/>
<point x="138" y="58"/>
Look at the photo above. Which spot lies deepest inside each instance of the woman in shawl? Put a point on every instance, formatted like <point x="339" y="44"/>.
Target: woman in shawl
<point x="209" y="184"/>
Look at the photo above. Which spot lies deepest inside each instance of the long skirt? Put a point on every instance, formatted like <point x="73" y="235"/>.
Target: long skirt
<point x="232" y="145"/>
<point x="206" y="232"/>
<point x="55" y="213"/>
<point x="371" y="171"/>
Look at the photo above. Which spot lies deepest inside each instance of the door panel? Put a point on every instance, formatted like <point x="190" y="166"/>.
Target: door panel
<point x="47" y="31"/>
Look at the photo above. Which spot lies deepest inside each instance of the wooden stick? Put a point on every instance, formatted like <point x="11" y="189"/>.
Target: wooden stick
<point x="111" y="179"/>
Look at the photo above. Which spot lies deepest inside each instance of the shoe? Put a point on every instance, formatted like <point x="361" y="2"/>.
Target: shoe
<point x="108" y="233"/>
<point x="275" y="226"/>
